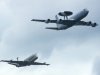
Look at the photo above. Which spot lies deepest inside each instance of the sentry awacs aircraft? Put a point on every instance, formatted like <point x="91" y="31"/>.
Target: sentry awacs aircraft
<point x="66" y="23"/>
<point x="27" y="62"/>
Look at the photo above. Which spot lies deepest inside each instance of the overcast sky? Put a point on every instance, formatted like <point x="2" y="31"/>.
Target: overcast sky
<point x="72" y="52"/>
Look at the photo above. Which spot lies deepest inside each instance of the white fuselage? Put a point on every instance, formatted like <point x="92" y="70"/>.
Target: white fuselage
<point x="75" y="18"/>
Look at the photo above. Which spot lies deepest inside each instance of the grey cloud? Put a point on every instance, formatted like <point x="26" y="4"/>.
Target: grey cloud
<point x="96" y="66"/>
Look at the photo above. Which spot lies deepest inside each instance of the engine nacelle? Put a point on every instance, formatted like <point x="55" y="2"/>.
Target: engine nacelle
<point x="60" y="20"/>
<point x="65" y="13"/>
<point x="94" y="25"/>
<point x="89" y="23"/>
<point x="47" y="21"/>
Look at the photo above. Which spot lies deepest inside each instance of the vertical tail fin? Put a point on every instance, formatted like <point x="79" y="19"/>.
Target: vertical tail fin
<point x="57" y="21"/>
<point x="57" y="18"/>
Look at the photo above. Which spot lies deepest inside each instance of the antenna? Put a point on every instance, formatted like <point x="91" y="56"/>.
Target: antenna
<point x="17" y="58"/>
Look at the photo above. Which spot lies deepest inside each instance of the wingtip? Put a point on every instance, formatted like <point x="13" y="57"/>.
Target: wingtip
<point x="94" y="25"/>
<point x="1" y="60"/>
<point x="32" y="20"/>
<point x="47" y="64"/>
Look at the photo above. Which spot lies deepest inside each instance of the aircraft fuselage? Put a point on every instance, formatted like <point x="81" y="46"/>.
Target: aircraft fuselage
<point x="73" y="20"/>
<point x="65" y="23"/>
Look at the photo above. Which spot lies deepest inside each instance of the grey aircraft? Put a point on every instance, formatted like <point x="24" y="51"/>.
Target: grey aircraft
<point x="27" y="62"/>
<point x="75" y="20"/>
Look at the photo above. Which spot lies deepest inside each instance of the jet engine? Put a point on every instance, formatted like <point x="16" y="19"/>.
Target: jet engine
<point x="89" y="23"/>
<point x="94" y="25"/>
<point x="65" y="13"/>
<point x="47" y="21"/>
<point x="60" y="20"/>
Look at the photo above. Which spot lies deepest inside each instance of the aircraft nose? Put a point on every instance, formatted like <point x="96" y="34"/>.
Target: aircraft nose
<point x="86" y="10"/>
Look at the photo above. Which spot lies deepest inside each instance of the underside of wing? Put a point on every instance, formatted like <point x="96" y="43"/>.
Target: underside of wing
<point x="82" y="23"/>
<point x="7" y="61"/>
<point x="46" y="21"/>
<point x="53" y="28"/>
<point x="38" y="20"/>
<point x="14" y="63"/>
<point x="38" y="63"/>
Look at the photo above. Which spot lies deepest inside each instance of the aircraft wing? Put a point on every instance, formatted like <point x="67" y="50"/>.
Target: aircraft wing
<point x="6" y="61"/>
<point x="46" y="21"/>
<point x="82" y="23"/>
<point x="86" y="23"/>
<point x="10" y="61"/>
<point x="38" y="63"/>
<point x="16" y="63"/>
<point x="65" y="22"/>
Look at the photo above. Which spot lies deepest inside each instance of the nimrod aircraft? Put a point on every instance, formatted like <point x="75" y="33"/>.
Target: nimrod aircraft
<point x="75" y="20"/>
<point x="27" y="62"/>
